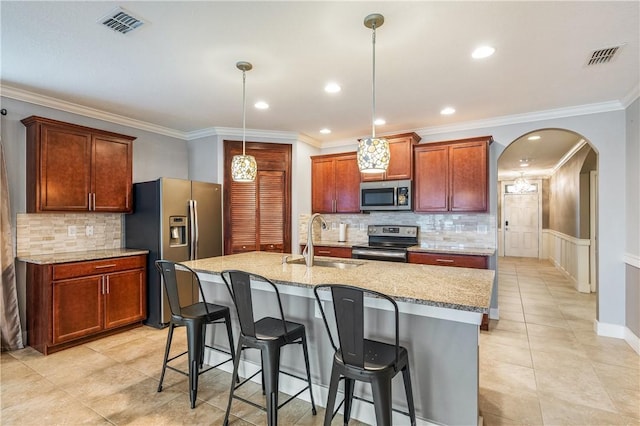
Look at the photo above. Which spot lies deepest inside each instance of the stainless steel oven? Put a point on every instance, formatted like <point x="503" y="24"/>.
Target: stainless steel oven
<point x="387" y="242"/>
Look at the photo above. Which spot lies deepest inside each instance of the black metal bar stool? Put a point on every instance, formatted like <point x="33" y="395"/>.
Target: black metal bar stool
<point x="268" y="335"/>
<point x="362" y="359"/>
<point x="195" y="318"/>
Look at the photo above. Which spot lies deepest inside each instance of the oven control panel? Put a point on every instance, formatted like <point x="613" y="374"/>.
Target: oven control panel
<point x="393" y="231"/>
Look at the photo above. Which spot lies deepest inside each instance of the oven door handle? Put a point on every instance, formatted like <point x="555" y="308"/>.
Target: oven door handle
<point x="378" y="253"/>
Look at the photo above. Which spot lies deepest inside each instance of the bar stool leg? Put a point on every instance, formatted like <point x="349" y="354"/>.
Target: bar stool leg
<point x="227" y="321"/>
<point x="271" y="363"/>
<point x="406" y="376"/>
<point x="166" y="355"/>
<point x="306" y="363"/>
<point x="381" y="389"/>
<point x="349" y="384"/>
<point x="331" y="398"/>
<point x="194" y="345"/>
<point x="234" y="379"/>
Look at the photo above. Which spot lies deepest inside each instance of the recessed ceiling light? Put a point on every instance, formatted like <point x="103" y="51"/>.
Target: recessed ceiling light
<point x="332" y="88"/>
<point x="380" y="122"/>
<point x="483" y="52"/>
<point x="325" y="131"/>
<point x="533" y="138"/>
<point x="447" y="111"/>
<point x="524" y="162"/>
<point x="261" y="105"/>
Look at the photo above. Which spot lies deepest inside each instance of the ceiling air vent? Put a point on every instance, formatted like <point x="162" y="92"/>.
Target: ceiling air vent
<point x="602" y="56"/>
<point x="121" y="21"/>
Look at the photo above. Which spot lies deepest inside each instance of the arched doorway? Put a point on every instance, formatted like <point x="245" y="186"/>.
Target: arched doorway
<point x="547" y="203"/>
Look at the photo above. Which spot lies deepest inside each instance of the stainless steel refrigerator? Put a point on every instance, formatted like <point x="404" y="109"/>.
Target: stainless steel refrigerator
<point x="178" y="220"/>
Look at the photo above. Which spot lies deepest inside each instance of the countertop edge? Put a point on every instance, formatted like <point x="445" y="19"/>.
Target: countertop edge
<point x="78" y="256"/>
<point x="469" y="251"/>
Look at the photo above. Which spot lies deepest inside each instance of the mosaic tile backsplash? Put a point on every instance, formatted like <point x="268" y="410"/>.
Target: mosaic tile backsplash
<point x="470" y="230"/>
<point x="46" y="233"/>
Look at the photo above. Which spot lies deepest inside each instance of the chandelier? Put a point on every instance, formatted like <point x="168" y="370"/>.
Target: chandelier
<point x="521" y="185"/>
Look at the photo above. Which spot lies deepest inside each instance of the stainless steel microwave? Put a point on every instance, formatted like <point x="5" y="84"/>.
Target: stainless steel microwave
<point x="385" y="195"/>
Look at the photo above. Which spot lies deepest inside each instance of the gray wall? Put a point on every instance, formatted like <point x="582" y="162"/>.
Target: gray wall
<point x="565" y="194"/>
<point x="632" y="305"/>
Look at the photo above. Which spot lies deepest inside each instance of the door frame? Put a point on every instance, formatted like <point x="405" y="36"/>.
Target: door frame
<point x="593" y="230"/>
<point x="503" y="185"/>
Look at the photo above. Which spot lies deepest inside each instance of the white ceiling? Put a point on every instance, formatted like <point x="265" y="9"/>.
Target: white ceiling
<point x="178" y="69"/>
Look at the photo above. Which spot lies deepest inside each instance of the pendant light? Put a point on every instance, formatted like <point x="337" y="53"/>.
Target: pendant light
<point x="373" y="153"/>
<point x="244" y="167"/>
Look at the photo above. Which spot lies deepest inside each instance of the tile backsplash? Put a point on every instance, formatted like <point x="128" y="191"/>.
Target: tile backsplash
<point x="46" y="233"/>
<point x="470" y="230"/>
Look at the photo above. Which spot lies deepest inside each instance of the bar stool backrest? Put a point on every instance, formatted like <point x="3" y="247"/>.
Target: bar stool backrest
<point x="348" y="307"/>
<point x="168" y="271"/>
<point x="239" y="286"/>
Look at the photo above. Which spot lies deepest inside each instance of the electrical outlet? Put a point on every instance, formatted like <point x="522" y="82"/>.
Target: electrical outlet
<point x="333" y="226"/>
<point x="88" y="230"/>
<point x="363" y="227"/>
<point x="71" y="230"/>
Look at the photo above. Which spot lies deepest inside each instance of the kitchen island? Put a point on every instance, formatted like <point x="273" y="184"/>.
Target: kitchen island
<point x="440" y="311"/>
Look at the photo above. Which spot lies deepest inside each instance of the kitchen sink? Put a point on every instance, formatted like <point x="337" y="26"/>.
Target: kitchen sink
<point x="340" y="264"/>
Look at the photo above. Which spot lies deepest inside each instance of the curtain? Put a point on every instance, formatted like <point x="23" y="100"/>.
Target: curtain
<point x="10" y="329"/>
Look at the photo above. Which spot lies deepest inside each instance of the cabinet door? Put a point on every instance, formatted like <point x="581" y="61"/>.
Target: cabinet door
<point x="456" y="260"/>
<point x="347" y="185"/>
<point x="111" y="174"/>
<point x="400" y="164"/>
<point x="323" y="185"/>
<point x="432" y="179"/>
<point x="64" y="169"/>
<point x="124" y="298"/>
<point x="469" y="177"/>
<point x="77" y="308"/>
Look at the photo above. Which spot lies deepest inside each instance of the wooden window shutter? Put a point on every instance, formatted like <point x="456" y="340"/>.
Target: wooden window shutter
<point x="243" y="221"/>
<point x="271" y="190"/>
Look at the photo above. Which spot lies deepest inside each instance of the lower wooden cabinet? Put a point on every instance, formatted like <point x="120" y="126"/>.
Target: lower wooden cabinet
<point x="455" y="260"/>
<point x="343" y="252"/>
<point x="70" y="303"/>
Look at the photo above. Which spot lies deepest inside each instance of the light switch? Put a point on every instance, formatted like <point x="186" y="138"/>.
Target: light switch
<point x="71" y="230"/>
<point x="88" y="230"/>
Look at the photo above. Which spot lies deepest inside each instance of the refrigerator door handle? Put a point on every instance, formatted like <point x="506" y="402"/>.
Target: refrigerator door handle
<point x="196" y="232"/>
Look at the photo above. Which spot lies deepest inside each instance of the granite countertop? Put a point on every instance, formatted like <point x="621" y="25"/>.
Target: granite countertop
<point x="455" y="288"/>
<point x="443" y="248"/>
<point x="77" y="256"/>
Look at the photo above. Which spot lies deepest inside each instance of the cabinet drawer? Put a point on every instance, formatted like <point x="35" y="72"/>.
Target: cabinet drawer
<point x="457" y="260"/>
<point x="276" y="248"/>
<point x="344" y="252"/>
<point x="94" y="267"/>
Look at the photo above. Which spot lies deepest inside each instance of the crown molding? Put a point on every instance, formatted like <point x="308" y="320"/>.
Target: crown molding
<point x="49" y="102"/>
<point x="568" y="155"/>
<point x="524" y="118"/>
<point x="234" y="132"/>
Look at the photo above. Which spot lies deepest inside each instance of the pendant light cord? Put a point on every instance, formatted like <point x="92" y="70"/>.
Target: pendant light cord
<point x="373" y="85"/>
<point x="244" y="108"/>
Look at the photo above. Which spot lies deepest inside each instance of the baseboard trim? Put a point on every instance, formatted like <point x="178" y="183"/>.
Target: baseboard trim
<point x="494" y="313"/>
<point x="632" y="340"/>
<point x="609" y="330"/>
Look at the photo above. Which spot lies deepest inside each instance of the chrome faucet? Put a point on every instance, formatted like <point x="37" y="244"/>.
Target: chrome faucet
<point x="308" y="250"/>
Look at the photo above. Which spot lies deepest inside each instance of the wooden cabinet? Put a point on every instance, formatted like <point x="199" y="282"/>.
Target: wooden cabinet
<point x="335" y="183"/>
<point x="70" y="303"/>
<point x="400" y="161"/>
<point x="452" y="176"/>
<point x="72" y="168"/>
<point x="455" y="260"/>
<point x="343" y="252"/>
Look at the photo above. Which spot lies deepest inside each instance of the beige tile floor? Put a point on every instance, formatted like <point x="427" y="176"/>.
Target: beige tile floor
<point x="540" y="364"/>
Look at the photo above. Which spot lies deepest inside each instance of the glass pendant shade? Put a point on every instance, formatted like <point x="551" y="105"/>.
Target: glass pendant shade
<point x="373" y="155"/>
<point x="244" y="168"/>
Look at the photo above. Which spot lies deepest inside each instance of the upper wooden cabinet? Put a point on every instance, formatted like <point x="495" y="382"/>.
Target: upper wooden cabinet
<point x="75" y="168"/>
<point x="335" y="183"/>
<point x="452" y="176"/>
<point x="400" y="161"/>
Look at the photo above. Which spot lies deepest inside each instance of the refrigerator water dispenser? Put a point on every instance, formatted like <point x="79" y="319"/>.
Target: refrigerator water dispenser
<point x="177" y="231"/>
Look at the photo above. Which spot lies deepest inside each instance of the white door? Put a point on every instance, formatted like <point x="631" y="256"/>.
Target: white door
<point x="521" y="225"/>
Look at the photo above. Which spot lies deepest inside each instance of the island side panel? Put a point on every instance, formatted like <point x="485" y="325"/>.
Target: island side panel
<point x="443" y="354"/>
